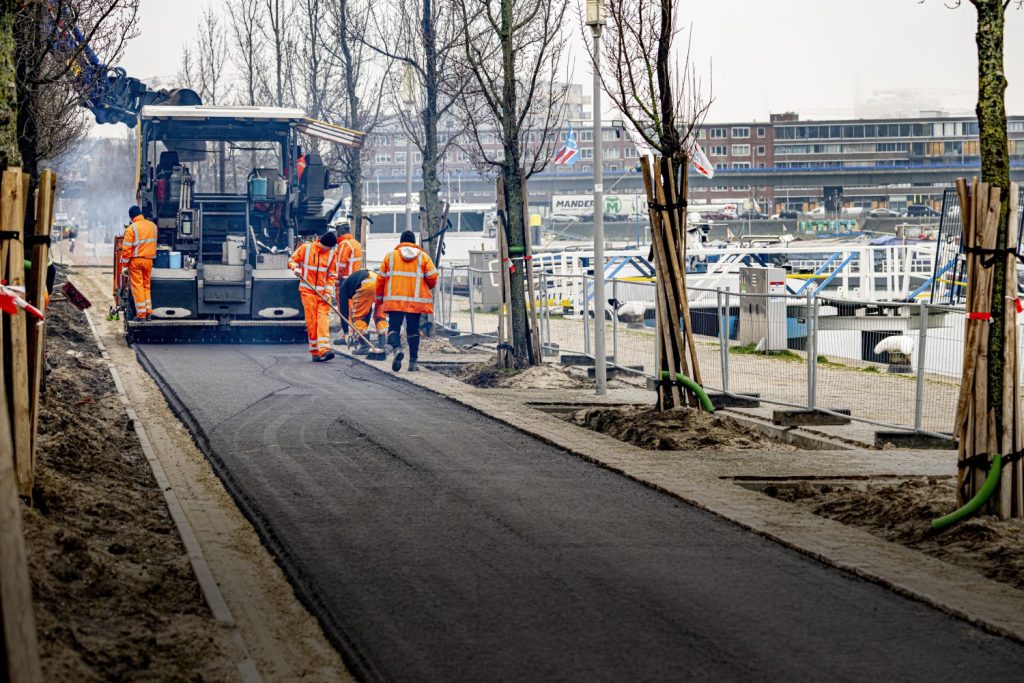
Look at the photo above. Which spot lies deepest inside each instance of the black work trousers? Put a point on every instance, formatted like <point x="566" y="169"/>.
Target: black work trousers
<point x="412" y="331"/>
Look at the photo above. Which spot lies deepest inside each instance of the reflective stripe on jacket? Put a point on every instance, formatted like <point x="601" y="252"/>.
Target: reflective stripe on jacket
<point x="406" y="277"/>
<point x="350" y="256"/>
<point x="317" y="265"/>
<point x="139" y="240"/>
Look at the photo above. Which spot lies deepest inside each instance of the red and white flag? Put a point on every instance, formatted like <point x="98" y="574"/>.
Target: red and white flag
<point x="701" y="162"/>
<point x="11" y="301"/>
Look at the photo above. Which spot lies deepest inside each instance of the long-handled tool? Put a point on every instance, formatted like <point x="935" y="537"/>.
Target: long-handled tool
<point x="374" y="353"/>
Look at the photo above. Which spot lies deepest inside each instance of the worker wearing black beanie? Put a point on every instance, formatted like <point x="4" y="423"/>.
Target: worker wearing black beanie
<point x="329" y="239"/>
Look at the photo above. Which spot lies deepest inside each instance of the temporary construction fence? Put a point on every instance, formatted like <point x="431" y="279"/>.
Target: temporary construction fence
<point x="757" y="344"/>
<point x="23" y="261"/>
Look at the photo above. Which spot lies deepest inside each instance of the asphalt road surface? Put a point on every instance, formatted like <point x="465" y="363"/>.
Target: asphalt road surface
<point x="436" y="544"/>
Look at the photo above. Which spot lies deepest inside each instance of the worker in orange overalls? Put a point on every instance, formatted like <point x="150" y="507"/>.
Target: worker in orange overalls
<point x="137" y="253"/>
<point x="350" y="259"/>
<point x="407" y="276"/>
<point x="316" y="263"/>
<point x="358" y="300"/>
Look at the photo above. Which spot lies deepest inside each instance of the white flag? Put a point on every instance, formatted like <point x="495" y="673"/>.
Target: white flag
<point x="701" y="162"/>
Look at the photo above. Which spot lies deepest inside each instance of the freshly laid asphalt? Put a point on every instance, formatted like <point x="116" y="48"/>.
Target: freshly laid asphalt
<point x="436" y="544"/>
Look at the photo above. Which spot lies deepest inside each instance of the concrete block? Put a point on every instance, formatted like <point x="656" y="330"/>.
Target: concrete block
<point x="800" y="417"/>
<point x="469" y="339"/>
<point x="613" y="372"/>
<point x="913" y="440"/>
<point x="579" y="359"/>
<point x="729" y="401"/>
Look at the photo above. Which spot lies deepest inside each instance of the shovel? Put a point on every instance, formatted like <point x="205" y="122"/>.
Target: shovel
<point x="374" y="353"/>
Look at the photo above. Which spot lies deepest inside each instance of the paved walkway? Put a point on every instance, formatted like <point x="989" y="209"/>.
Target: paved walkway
<point x="438" y="544"/>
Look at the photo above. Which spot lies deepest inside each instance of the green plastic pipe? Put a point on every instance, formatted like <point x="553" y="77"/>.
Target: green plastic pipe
<point x="705" y="402"/>
<point x="976" y="503"/>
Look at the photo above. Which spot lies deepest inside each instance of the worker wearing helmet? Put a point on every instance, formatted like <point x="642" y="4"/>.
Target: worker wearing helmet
<point x="357" y="300"/>
<point x="407" y="278"/>
<point x="315" y="264"/>
<point x="138" y="249"/>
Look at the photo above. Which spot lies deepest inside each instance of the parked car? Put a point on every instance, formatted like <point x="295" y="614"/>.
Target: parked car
<point x="751" y="215"/>
<point x="563" y="218"/>
<point x="718" y="216"/>
<point x="785" y="215"/>
<point x="882" y="212"/>
<point x="920" y="211"/>
<point x="817" y="211"/>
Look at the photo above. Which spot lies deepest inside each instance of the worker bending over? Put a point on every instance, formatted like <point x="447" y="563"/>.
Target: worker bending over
<point x="350" y="259"/>
<point x="315" y="264"/>
<point x="407" y="276"/>
<point x="137" y="253"/>
<point x="357" y="300"/>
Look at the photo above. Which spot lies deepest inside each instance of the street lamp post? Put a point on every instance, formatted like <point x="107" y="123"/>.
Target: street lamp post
<point x="408" y="85"/>
<point x="595" y="20"/>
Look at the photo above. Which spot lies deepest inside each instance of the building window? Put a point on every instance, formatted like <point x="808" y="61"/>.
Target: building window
<point x="719" y="188"/>
<point x="719" y="133"/>
<point x="741" y="164"/>
<point x="608" y="135"/>
<point x="587" y="153"/>
<point x="399" y="157"/>
<point x="719" y="150"/>
<point x="382" y="158"/>
<point x="701" y="134"/>
<point x="631" y="153"/>
<point x="741" y="132"/>
<point x="586" y="136"/>
<point x="613" y="168"/>
<point x="611" y="153"/>
<point x="760" y="132"/>
<point x="397" y="171"/>
<point x="585" y="169"/>
<point x="417" y="157"/>
<point x="741" y="150"/>
<point x="760" y="150"/>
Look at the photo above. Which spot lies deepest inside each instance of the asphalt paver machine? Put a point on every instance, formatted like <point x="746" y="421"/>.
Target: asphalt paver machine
<point x="221" y="271"/>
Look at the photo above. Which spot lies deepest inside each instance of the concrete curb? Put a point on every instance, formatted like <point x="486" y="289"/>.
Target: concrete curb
<point x="207" y="583"/>
<point x="962" y="593"/>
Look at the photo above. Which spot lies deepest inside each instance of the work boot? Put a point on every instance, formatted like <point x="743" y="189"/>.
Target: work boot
<point x="327" y="356"/>
<point x="413" y="365"/>
<point x="396" y="362"/>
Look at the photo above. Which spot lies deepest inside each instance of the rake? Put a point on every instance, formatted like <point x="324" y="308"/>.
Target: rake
<point x="374" y="353"/>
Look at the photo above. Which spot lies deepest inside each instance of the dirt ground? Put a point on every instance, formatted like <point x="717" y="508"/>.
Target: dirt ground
<point x="487" y="376"/>
<point x="437" y="344"/>
<point x="114" y="593"/>
<point x="902" y="512"/>
<point x="679" y="429"/>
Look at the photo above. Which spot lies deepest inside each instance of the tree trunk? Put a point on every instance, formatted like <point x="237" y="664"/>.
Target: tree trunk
<point x="355" y="186"/>
<point x="9" y="152"/>
<point x="514" y="211"/>
<point x="995" y="170"/>
<point x="431" y="185"/>
<point x="27" y="48"/>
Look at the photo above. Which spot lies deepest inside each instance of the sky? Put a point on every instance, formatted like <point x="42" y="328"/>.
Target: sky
<point x="820" y="58"/>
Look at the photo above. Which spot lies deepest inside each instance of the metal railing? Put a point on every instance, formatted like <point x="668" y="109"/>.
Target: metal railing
<point x="812" y="351"/>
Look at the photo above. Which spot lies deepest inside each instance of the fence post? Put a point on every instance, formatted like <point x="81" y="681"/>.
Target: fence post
<point x="723" y="336"/>
<point x="586" y="317"/>
<point x="469" y="294"/>
<point x="922" y="340"/>
<point x="615" y="323"/>
<point x="812" y="349"/>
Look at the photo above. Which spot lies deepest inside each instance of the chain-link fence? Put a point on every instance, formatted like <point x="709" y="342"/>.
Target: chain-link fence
<point x="892" y="364"/>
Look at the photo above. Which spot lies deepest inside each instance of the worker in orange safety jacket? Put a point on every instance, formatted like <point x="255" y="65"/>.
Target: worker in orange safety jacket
<point x="358" y="300"/>
<point x="138" y="249"/>
<point x="407" y="278"/>
<point x="350" y="259"/>
<point x="316" y="263"/>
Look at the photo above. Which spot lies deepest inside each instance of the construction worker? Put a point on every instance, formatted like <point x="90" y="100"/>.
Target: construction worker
<point x="407" y="276"/>
<point x="315" y="264"/>
<point x="357" y="300"/>
<point x="137" y="253"/>
<point x="350" y="259"/>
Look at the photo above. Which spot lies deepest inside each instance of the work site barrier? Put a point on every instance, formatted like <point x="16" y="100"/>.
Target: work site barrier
<point x="755" y="345"/>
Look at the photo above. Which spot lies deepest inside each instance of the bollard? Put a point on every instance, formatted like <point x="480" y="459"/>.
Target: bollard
<point x="922" y="340"/>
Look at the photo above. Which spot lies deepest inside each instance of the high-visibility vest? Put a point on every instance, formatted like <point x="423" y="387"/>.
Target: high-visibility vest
<point x="406" y="277"/>
<point x="317" y="265"/>
<point x="350" y="256"/>
<point x="139" y="240"/>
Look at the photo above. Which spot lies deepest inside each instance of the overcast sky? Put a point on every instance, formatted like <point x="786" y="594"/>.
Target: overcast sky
<point x="821" y="58"/>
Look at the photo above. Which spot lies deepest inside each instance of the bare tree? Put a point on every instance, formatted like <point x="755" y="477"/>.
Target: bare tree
<point x="277" y="18"/>
<point x="649" y="79"/>
<point x="10" y="155"/>
<point x="511" y="58"/>
<point x="361" y="102"/>
<point x="248" y="49"/>
<point x="51" y="85"/>
<point x="425" y="37"/>
<point x="318" y="65"/>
